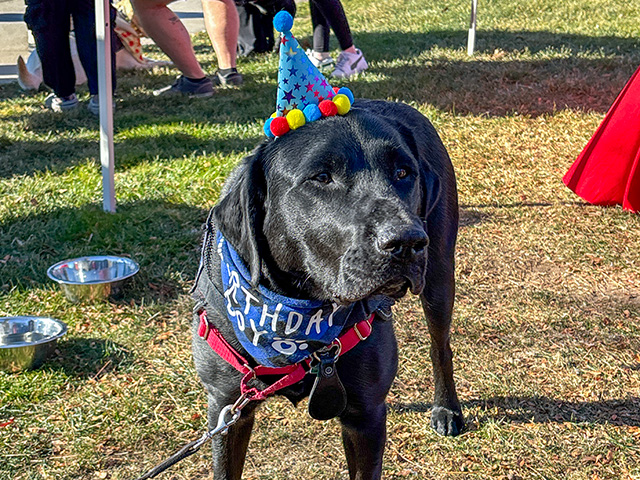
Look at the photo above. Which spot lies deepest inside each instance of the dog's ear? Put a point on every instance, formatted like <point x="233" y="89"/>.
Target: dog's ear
<point x="239" y="215"/>
<point x="430" y="186"/>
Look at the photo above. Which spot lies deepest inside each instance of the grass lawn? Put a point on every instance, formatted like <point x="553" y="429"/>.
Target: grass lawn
<point x="546" y="330"/>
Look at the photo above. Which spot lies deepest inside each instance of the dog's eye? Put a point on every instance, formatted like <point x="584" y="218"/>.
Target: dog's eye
<point x="323" y="178"/>
<point x="401" y="173"/>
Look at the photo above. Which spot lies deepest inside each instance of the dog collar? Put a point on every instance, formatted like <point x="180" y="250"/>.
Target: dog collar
<point x="276" y="330"/>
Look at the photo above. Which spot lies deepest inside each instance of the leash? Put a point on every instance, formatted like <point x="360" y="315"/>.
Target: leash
<point x="189" y="449"/>
<point x="230" y="414"/>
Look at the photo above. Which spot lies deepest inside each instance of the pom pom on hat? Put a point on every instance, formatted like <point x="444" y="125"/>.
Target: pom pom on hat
<point x="283" y="21"/>
<point x="342" y="103"/>
<point x="295" y="118"/>
<point x="279" y="126"/>
<point x="347" y="92"/>
<point x="267" y="128"/>
<point x="312" y="113"/>
<point x="328" y="108"/>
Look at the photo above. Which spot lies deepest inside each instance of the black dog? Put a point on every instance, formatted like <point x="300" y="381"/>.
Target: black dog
<point x="343" y="210"/>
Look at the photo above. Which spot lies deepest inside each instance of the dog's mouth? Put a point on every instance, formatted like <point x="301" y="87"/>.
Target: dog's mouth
<point x="396" y="288"/>
<point x="399" y="287"/>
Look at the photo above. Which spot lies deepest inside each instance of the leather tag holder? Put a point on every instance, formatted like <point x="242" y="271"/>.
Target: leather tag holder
<point x="328" y="398"/>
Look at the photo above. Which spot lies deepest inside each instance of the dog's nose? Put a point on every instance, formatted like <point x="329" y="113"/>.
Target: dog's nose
<point x="402" y="241"/>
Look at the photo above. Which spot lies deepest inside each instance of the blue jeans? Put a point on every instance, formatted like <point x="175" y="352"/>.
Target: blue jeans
<point x="49" y="20"/>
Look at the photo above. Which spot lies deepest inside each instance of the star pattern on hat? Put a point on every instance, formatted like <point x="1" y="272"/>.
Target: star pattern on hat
<point x="301" y="83"/>
<point x="304" y="94"/>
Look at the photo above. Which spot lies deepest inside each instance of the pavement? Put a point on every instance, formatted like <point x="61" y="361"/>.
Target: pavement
<point x="15" y="38"/>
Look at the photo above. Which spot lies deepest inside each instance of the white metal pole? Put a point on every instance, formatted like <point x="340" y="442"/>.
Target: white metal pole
<point x="105" y="94"/>
<point x="471" y="39"/>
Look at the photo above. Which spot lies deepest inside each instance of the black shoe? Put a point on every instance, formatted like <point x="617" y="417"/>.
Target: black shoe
<point x="233" y="79"/>
<point x="185" y="86"/>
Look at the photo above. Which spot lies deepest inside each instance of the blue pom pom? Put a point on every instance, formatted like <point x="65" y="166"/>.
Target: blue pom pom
<point x="267" y="129"/>
<point x="283" y="21"/>
<point x="347" y="92"/>
<point x="312" y="113"/>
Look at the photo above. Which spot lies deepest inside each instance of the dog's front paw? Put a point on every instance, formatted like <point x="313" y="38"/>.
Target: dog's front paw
<point x="446" y="421"/>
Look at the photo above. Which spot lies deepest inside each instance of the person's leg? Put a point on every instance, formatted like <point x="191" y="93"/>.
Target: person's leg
<point x="319" y="55"/>
<point x="84" y="25"/>
<point x="168" y="32"/>
<point x="351" y="60"/>
<point x="50" y="25"/>
<point x="334" y="14"/>
<point x="320" y="26"/>
<point x="221" y="21"/>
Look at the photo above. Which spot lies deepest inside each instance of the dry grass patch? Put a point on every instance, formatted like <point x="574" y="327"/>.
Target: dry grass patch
<point x="547" y="319"/>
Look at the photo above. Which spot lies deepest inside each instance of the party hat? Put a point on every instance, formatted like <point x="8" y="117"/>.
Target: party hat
<point x="304" y="94"/>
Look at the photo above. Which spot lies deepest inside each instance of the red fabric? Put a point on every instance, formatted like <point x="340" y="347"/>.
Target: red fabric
<point x="292" y="373"/>
<point x="607" y="171"/>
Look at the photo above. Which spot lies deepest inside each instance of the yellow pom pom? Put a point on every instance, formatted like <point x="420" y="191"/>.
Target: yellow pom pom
<point x="274" y="114"/>
<point x="295" y="118"/>
<point x="343" y="103"/>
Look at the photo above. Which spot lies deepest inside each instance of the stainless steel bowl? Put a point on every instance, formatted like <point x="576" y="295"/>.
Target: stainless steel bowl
<point x="92" y="278"/>
<point x="25" y="342"/>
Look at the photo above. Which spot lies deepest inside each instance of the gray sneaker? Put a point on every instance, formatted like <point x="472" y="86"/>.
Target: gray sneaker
<point x="61" y="104"/>
<point x="232" y="79"/>
<point x="94" y="105"/>
<point x="319" y="62"/>
<point x="349" y="64"/>
<point x="191" y="89"/>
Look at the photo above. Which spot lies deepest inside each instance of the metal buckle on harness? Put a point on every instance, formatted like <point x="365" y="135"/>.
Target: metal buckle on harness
<point x="338" y="346"/>
<point x="207" y="329"/>
<point x="202" y="314"/>
<point x="362" y="338"/>
<point x="242" y="402"/>
<point x="251" y="373"/>
<point x="247" y="392"/>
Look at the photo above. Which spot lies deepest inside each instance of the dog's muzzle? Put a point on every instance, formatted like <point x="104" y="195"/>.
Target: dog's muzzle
<point x="404" y="243"/>
<point x="391" y="263"/>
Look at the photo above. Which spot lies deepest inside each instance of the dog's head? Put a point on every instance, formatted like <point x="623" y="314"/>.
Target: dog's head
<point x="333" y="211"/>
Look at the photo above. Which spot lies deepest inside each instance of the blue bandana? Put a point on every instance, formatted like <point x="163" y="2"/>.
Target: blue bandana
<point x="275" y="330"/>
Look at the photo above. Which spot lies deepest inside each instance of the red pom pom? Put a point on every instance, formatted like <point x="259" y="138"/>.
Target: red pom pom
<point x="328" y="108"/>
<point x="279" y="126"/>
<point x="335" y="89"/>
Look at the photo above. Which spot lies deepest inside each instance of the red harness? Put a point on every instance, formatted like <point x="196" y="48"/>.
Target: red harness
<point x="291" y="373"/>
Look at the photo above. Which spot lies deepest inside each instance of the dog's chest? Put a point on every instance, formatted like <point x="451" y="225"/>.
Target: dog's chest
<point x="273" y="329"/>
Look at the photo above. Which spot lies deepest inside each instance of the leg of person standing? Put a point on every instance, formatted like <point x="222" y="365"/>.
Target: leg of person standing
<point x="320" y="55"/>
<point x="169" y="33"/>
<point x="222" y="23"/>
<point x="50" y="24"/>
<point x="351" y="60"/>
<point x="84" y="26"/>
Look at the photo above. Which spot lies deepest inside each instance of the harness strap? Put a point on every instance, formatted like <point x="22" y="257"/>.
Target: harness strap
<point x="292" y="373"/>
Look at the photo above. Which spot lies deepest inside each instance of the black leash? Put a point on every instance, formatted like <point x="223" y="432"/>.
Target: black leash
<point x="230" y="411"/>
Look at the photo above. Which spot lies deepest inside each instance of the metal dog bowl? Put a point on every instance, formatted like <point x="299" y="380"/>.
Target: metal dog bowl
<point x="25" y="342"/>
<point x="92" y="278"/>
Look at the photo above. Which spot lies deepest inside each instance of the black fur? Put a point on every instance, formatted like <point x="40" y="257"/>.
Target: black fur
<point x="338" y="210"/>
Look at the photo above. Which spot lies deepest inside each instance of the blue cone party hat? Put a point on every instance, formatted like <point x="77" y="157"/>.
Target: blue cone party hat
<point x="304" y="95"/>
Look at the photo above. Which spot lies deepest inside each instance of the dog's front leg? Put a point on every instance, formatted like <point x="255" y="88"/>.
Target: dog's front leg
<point x="230" y="450"/>
<point x="364" y="436"/>
<point x="437" y="302"/>
<point x="367" y="373"/>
